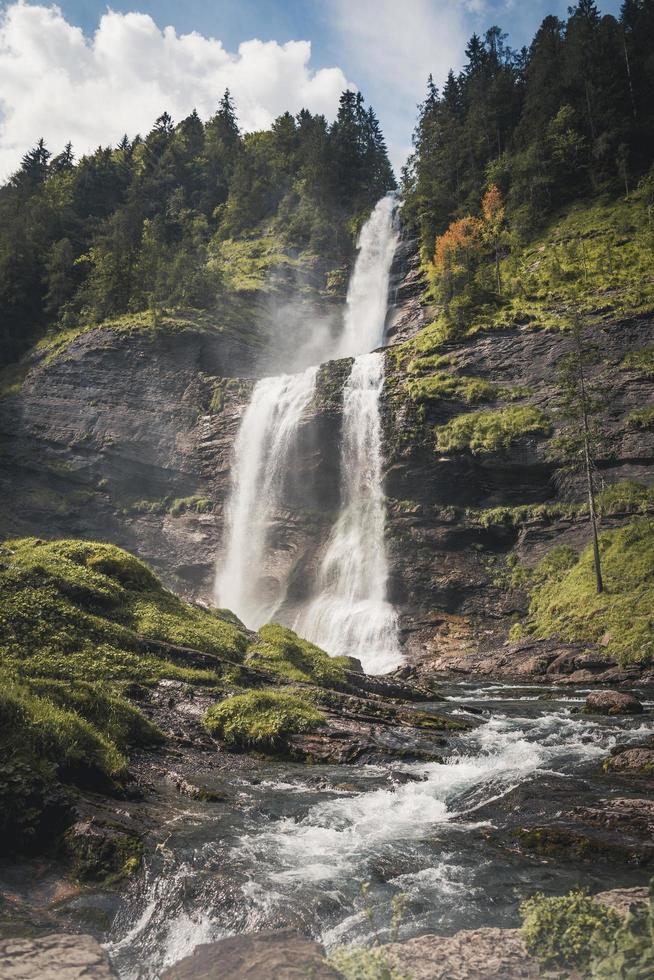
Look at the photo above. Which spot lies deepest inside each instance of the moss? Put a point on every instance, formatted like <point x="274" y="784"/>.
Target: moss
<point x="641" y="418"/>
<point x="641" y="361"/>
<point x="262" y="719"/>
<point x="491" y="431"/>
<point x="625" y="497"/>
<point x="564" y="601"/>
<point x="196" y="504"/>
<point x="524" y="514"/>
<point x="12" y="378"/>
<point x="444" y="385"/>
<point x="101" y="852"/>
<point x="361" y="963"/>
<point x="283" y="652"/>
<point x="563" y="931"/>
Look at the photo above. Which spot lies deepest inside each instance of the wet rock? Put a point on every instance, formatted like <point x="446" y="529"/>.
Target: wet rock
<point x="54" y="957"/>
<point x="283" y="955"/>
<point x="101" y="852"/>
<point x="612" y="703"/>
<point x="615" y="830"/>
<point x="346" y="741"/>
<point x="194" y="791"/>
<point x="635" y="761"/>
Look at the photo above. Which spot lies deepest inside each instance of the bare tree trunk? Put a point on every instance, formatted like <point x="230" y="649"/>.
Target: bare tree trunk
<point x="589" y="474"/>
<point x="628" y="64"/>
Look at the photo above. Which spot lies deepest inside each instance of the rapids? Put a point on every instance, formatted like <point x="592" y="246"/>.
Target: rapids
<point x="333" y="852"/>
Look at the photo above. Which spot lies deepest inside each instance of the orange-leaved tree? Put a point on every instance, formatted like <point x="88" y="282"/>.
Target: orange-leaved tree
<point x="456" y="251"/>
<point x="493" y="226"/>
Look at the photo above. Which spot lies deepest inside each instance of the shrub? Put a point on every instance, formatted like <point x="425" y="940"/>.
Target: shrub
<point x="562" y="931"/>
<point x="627" y="954"/>
<point x="491" y="431"/>
<point x="262" y="719"/>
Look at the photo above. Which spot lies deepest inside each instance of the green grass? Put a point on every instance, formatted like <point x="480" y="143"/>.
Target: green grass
<point x="491" y="431"/>
<point x="444" y="385"/>
<point x="641" y="418"/>
<point x="246" y="264"/>
<point x="79" y="609"/>
<point x="262" y="719"/>
<point x="365" y="963"/>
<point x="284" y="653"/>
<point x="564" y="601"/>
<point x="596" y="257"/>
<point x="641" y="361"/>
<point x="195" y="504"/>
<point x="77" y="620"/>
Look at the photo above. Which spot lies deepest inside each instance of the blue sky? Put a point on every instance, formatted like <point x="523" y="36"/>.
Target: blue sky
<point x="88" y="71"/>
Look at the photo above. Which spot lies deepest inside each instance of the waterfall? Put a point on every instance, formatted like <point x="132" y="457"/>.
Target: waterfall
<point x="350" y="613"/>
<point x="367" y="295"/>
<point x="265" y="440"/>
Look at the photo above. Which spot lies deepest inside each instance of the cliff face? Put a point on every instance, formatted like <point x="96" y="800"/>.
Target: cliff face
<point x="127" y="436"/>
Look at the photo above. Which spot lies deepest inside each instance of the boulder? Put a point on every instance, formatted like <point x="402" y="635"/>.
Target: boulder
<point x="635" y="761"/>
<point x="282" y="955"/>
<point x="612" y="703"/>
<point x="54" y="957"/>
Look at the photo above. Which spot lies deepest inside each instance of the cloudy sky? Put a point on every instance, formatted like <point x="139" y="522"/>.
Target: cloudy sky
<point x="89" y="72"/>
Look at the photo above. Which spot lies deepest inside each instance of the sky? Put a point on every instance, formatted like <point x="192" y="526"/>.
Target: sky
<point x="85" y="71"/>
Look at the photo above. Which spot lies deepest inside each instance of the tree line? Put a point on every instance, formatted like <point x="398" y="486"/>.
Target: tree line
<point x="137" y="225"/>
<point x="572" y="114"/>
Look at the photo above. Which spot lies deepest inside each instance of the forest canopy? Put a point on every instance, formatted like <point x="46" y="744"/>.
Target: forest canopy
<point x="139" y="226"/>
<point x="570" y="116"/>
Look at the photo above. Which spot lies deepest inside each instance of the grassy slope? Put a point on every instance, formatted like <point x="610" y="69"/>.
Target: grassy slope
<point x="564" y="601"/>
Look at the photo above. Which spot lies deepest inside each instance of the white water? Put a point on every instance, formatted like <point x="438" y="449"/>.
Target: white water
<point x="350" y="614"/>
<point x="367" y="295"/>
<point x="264" y="446"/>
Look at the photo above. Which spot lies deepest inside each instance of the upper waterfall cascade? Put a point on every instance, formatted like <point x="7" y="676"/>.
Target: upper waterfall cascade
<point x="349" y="612"/>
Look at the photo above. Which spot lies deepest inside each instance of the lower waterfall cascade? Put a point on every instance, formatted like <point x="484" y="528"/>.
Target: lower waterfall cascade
<point x="349" y="612"/>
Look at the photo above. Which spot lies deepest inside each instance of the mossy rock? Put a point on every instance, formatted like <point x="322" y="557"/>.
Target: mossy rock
<point x="101" y="852"/>
<point x="282" y="652"/>
<point x="262" y="719"/>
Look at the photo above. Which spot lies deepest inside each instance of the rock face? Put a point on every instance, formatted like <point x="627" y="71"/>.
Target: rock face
<point x="54" y="957"/>
<point x="282" y="955"/>
<point x="127" y="436"/>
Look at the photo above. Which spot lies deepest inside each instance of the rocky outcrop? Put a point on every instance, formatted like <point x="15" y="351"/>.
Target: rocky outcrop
<point x="284" y="955"/>
<point x="55" y="957"/>
<point x="535" y="662"/>
<point x="486" y="954"/>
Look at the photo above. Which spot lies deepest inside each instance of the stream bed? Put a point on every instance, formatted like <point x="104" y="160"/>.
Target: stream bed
<point x="353" y="854"/>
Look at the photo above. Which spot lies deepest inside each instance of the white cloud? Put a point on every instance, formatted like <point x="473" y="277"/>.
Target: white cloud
<point x="395" y="47"/>
<point x="59" y="84"/>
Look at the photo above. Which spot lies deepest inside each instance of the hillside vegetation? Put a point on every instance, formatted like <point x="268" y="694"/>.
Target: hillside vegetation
<point x="193" y="215"/>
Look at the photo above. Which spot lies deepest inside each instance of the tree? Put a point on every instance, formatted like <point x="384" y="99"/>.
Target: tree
<point x="580" y="439"/>
<point x="493" y="230"/>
